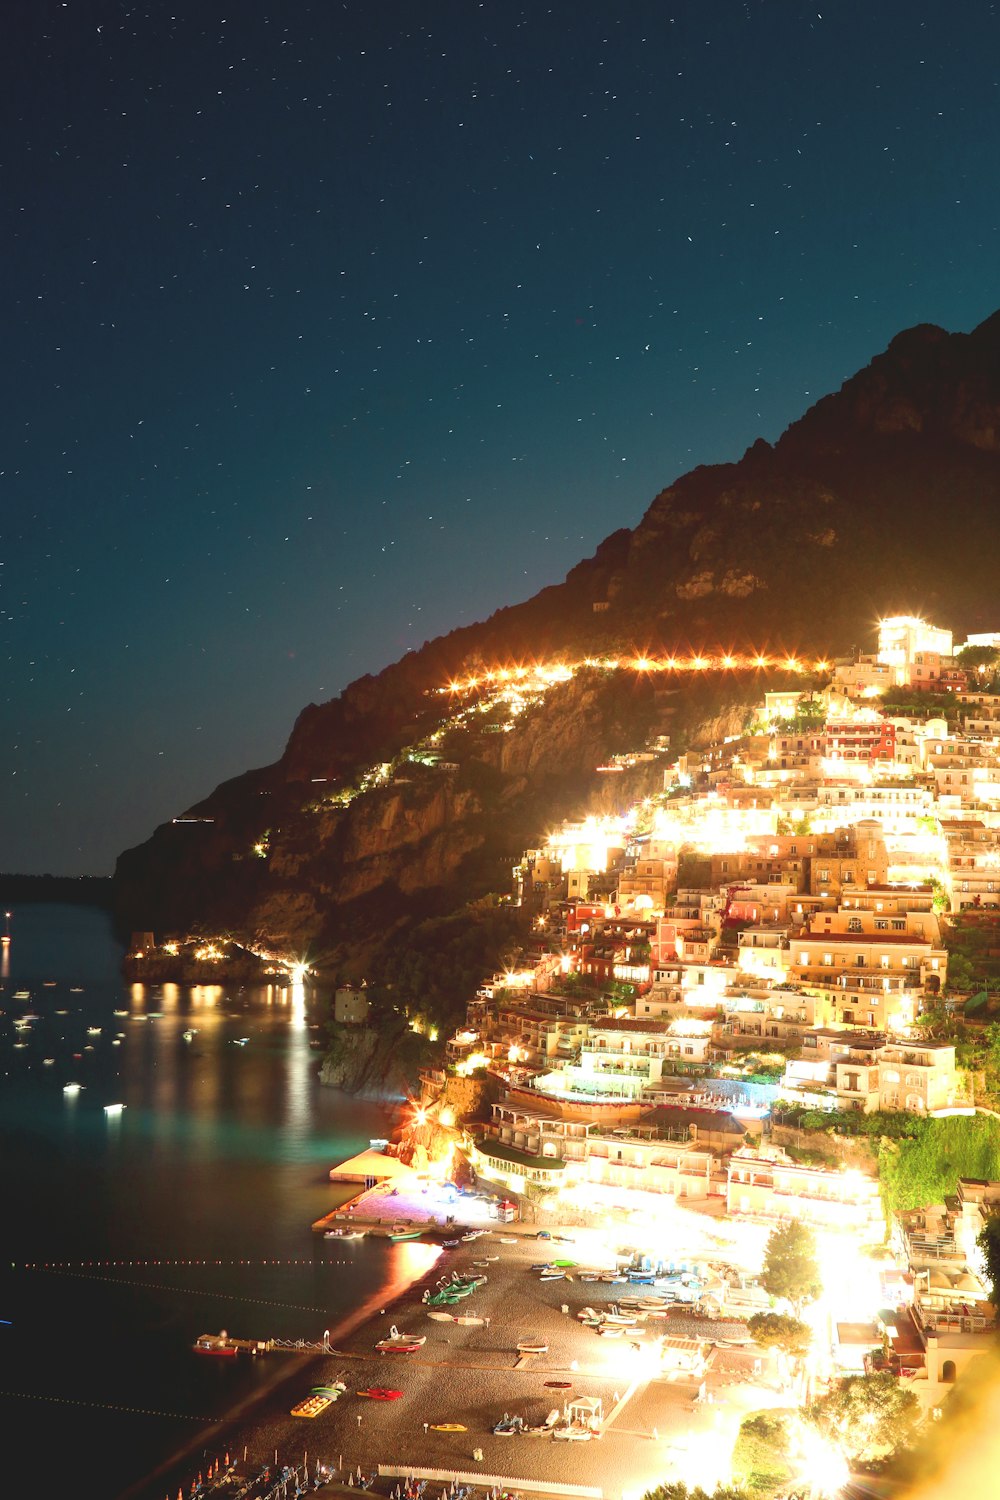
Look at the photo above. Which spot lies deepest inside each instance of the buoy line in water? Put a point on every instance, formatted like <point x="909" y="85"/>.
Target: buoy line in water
<point x="137" y="1411"/>
<point x="86" y="1265"/>
<point x="191" y="1291"/>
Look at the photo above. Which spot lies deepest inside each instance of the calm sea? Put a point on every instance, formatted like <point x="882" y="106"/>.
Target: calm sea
<point x="200" y="1193"/>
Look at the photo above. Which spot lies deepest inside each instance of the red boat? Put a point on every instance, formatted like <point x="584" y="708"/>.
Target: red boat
<point x="218" y="1344"/>
<point x="380" y="1393"/>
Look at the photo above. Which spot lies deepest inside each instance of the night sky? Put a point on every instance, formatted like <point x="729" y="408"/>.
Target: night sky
<point x="327" y="327"/>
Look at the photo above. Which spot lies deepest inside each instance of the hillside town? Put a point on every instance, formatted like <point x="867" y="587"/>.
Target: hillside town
<point x="730" y="971"/>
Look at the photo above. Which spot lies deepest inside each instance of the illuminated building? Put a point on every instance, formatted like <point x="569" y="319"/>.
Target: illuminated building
<point x="767" y="1184"/>
<point x="973" y="863"/>
<point x="639" y="1156"/>
<point x="350" y="1005"/>
<point x="901" y="638"/>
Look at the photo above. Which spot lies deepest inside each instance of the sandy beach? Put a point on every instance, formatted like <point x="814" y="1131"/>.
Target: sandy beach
<point x="470" y="1376"/>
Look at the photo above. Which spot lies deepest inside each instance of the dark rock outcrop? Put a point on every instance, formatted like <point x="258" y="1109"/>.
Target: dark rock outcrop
<point x="883" y="497"/>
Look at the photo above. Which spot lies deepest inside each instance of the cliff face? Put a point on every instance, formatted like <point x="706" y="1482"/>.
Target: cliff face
<point x="883" y="497"/>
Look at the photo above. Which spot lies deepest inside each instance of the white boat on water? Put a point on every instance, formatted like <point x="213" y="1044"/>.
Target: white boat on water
<point x="113" y="1109"/>
<point x="72" y="1088"/>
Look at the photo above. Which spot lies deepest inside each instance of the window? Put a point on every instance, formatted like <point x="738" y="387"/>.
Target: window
<point x="899" y="924"/>
<point x="854" y="925"/>
<point x="828" y="960"/>
<point x="881" y="924"/>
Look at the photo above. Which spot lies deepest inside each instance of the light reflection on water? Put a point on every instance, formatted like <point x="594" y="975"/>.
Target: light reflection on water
<point x="222" y="1153"/>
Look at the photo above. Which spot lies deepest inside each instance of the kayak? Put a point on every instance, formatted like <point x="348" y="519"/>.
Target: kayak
<point x="381" y="1393"/>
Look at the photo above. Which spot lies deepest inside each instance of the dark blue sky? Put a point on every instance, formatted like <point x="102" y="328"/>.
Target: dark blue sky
<point x="327" y="327"/>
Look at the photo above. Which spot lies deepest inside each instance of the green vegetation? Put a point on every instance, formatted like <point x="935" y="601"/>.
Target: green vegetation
<point x="676" y="1489"/>
<point x="989" y="1243"/>
<point x="760" y="1454"/>
<point x="869" y="1416"/>
<point x="435" y="965"/>
<point x="915" y="703"/>
<point x="790" y="1266"/>
<point x="779" y="1331"/>
<point x="892" y="1124"/>
<point x="925" y="1168"/>
<point x="919" y="1160"/>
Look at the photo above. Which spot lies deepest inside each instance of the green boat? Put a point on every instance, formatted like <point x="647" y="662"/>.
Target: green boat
<point x="408" y="1234"/>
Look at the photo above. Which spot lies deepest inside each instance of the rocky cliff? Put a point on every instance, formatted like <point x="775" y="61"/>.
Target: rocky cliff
<point x="883" y="497"/>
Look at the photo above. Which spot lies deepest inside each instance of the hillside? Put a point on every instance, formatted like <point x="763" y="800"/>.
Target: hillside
<point x="883" y="497"/>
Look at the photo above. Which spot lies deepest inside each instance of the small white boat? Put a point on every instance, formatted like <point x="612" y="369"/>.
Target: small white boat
<point x="532" y="1346"/>
<point x="93" y="1031"/>
<point x="22" y="994"/>
<point x="117" y="1041"/>
<point x="113" y="1109"/>
<point x="47" y="1062"/>
<point x="72" y="1088"/>
<point x="190" y="1034"/>
<point x="121" y="1012"/>
<point x="441" y="1317"/>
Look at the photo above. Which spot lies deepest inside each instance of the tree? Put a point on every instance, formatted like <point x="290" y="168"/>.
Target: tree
<point x="989" y="1243"/>
<point x="676" y="1489"/>
<point x="790" y="1266"/>
<point x="869" y="1416"/>
<point x="779" y="1331"/>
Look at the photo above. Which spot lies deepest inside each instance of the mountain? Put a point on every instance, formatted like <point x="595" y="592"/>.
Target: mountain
<point x="882" y="498"/>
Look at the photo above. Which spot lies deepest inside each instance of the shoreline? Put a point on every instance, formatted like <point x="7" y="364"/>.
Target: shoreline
<point x="465" y="1377"/>
<point x="241" y="1412"/>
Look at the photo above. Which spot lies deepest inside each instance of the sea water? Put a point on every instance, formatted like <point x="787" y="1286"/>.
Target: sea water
<point x="125" y="1235"/>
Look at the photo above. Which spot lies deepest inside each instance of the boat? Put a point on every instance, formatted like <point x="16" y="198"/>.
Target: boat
<point x="190" y="1034"/>
<point x="573" y="1434"/>
<point x="508" y="1426"/>
<point x="47" y="1062"/>
<point x="553" y="1276"/>
<point x="468" y="1321"/>
<point x="380" y="1393"/>
<point x="344" y="1234"/>
<point x="405" y="1234"/>
<point x="72" y="1088"/>
<point x="93" y="1031"/>
<point x="448" y="1427"/>
<point x="312" y="1406"/>
<point x="218" y="1344"/>
<point x="442" y="1317"/>
<point x="450" y="1244"/>
<point x="472" y="1234"/>
<point x="610" y="1331"/>
<point x="400" y="1343"/>
<point x="559" y="1385"/>
<point x="121" y="1012"/>
<point x="532" y="1346"/>
<point x="508" y="1239"/>
<point x="22" y="994"/>
<point x="334" y="1390"/>
<point x="113" y="1109"/>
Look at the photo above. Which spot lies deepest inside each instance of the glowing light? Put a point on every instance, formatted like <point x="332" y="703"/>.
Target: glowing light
<point x="298" y="972"/>
<point x="420" y="1117"/>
